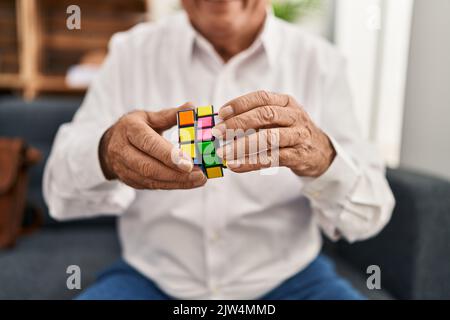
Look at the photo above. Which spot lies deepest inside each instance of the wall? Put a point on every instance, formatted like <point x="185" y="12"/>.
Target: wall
<point x="426" y="126"/>
<point x="374" y="36"/>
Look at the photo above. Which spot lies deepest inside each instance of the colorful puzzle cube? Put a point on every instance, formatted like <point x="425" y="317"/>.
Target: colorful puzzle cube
<point x="196" y="139"/>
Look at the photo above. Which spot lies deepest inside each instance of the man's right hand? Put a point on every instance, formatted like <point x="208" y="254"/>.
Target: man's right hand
<point x="134" y="151"/>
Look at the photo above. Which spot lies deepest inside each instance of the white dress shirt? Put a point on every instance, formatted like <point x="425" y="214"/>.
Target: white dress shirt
<point x="239" y="236"/>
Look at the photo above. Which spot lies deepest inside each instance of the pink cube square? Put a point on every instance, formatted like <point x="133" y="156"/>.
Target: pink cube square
<point x="205" y="134"/>
<point x="204" y="122"/>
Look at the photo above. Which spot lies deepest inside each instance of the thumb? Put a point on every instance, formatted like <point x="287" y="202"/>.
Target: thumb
<point x="166" y="118"/>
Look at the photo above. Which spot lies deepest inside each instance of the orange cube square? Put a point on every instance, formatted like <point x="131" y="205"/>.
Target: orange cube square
<point x="186" y="118"/>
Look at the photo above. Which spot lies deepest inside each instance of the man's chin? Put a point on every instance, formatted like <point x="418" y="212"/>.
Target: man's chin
<point x="224" y="27"/>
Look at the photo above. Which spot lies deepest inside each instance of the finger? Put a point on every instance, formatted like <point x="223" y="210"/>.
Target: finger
<point x="261" y="117"/>
<point x="150" y="168"/>
<point x="253" y="162"/>
<point x="167" y="118"/>
<point x="263" y="140"/>
<point x="253" y="100"/>
<point x="136" y="181"/>
<point x="144" y="138"/>
<point x="284" y="157"/>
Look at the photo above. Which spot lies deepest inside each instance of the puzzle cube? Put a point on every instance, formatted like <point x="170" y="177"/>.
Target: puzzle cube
<point x="196" y="139"/>
<point x="190" y="150"/>
<point x="214" y="172"/>
<point x="211" y="161"/>
<point x="187" y="134"/>
<point x="206" y="122"/>
<point x="205" y="111"/>
<point x="186" y="118"/>
<point x="205" y="134"/>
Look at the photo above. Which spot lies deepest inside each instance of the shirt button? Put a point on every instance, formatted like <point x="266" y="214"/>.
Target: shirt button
<point x="215" y="236"/>
<point x="215" y="290"/>
<point x="315" y="194"/>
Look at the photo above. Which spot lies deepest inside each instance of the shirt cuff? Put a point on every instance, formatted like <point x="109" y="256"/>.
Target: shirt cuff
<point x="85" y="163"/>
<point x="335" y="186"/>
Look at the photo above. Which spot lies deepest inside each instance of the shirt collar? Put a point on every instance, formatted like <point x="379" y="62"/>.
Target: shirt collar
<point x="271" y="38"/>
<point x="268" y="39"/>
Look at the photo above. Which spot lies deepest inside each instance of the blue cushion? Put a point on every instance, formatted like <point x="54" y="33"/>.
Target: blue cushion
<point x="36" y="267"/>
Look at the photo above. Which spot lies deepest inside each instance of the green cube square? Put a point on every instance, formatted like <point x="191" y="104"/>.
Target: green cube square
<point x="207" y="148"/>
<point x="211" y="160"/>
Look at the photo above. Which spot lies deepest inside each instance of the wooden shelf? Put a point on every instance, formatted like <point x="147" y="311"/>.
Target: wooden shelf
<point x="36" y="48"/>
<point x="10" y="81"/>
<point x="9" y="44"/>
<point x="62" y="42"/>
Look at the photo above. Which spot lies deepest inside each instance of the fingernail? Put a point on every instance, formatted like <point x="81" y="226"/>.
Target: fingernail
<point x="233" y="164"/>
<point x="194" y="176"/>
<point x="219" y="130"/>
<point x="225" y="152"/>
<point x="185" y="165"/>
<point x="225" y="112"/>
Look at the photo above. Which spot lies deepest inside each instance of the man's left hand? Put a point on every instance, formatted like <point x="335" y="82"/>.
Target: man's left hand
<point x="290" y="137"/>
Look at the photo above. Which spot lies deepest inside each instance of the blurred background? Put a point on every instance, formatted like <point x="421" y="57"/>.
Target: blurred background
<point x="398" y="56"/>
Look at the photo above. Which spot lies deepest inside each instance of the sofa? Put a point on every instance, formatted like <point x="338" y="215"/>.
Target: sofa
<point x="413" y="251"/>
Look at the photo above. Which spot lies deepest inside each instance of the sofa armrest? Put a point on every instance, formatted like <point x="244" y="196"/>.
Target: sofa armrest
<point x="413" y="251"/>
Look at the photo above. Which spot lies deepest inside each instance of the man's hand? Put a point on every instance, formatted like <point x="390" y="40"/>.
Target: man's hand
<point x="134" y="151"/>
<point x="285" y="128"/>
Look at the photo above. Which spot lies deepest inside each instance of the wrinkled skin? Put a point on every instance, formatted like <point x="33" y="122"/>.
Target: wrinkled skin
<point x="284" y="126"/>
<point x="134" y="151"/>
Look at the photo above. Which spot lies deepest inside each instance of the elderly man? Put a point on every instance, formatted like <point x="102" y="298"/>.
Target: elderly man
<point x="254" y="234"/>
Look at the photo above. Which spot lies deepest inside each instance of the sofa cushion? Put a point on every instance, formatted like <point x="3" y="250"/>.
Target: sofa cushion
<point x="36" y="267"/>
<point x="358" y="278"/>
<point x="37" y="122"/>
<point x="412" y="250"/>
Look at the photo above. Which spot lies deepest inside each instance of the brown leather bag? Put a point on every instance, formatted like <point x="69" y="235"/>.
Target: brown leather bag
<point x="15" y="160"/>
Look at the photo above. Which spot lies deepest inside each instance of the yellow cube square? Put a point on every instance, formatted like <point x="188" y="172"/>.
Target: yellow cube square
<point x="187" y="134"/>
<point x="214" y="172"/>
<point x="189" y="149"/>
<point x="204" y="111"/>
